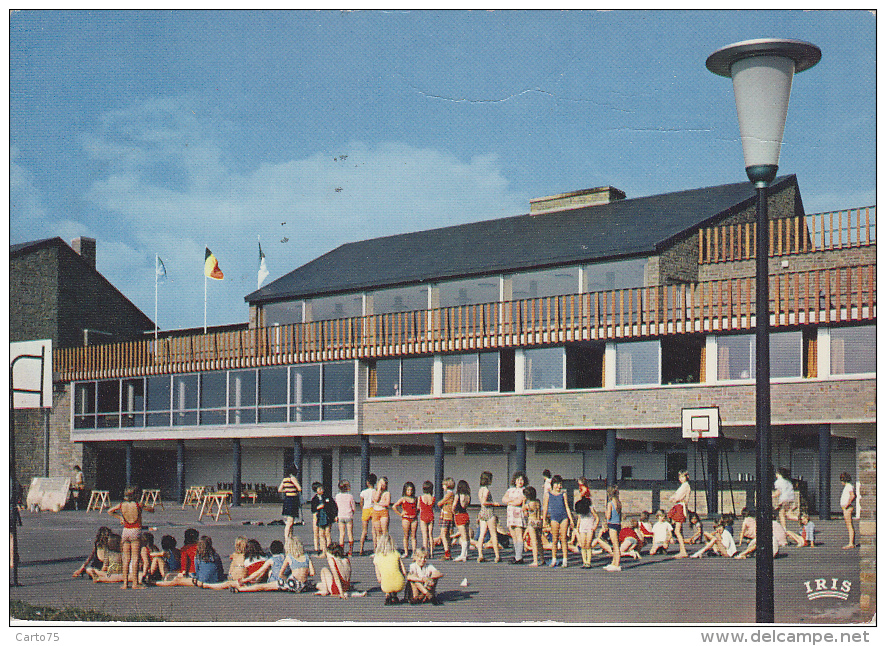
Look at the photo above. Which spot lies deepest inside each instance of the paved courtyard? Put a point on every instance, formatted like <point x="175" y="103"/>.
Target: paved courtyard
<point x="654" y="590"/>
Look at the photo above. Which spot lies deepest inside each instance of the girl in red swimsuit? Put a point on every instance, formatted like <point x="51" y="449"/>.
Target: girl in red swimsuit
<point x="335" y="579"/>
<point x="129" y="512"/>
<point x="426" y="504"/>
<point x="407" y="507"/>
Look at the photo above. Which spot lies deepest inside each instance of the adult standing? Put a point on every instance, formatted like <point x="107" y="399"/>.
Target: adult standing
<point x="77" y="487"/>
<point x="514" y="499"/>
<point x="291" y="490"/>
<point x="786" y="496"/>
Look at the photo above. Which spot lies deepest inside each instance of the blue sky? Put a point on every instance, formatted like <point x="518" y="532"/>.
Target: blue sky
<point x="165" y="132"/>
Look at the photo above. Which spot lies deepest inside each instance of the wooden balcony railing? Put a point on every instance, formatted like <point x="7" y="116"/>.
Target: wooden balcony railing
<point x="787" y="236"/>
<point x="797" y="298"/>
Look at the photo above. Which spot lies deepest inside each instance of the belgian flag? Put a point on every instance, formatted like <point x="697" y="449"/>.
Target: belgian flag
<point x="210" y="267"/>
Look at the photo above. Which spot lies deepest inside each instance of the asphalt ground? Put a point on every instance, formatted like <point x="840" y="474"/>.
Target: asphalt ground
<point x="654" y="590"/>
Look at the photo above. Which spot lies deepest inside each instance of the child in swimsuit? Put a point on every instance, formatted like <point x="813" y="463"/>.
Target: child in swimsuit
<point x="446" y="515"/>
<point x="336" y="578"/>
<point x="407" y="507"/>
<point x="532" y="511"/>
<point x="587" y="525"/>
<point x="460" y="516"/>
<point x="112" y="570"/>
<point x="389" y="569"/>
<point x="556" y="506"/>
<point x="613" y="522"/>
<point x="344" y="501"/>
<point x="237" y="570"/>
<point x="381" y="501"/>
<point x="488" y="519"/>
<point x="130" y="514"/>
<point x="426" y="504"/>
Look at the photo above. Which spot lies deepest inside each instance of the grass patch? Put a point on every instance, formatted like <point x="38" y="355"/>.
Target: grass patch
<point x="27" y="612"/>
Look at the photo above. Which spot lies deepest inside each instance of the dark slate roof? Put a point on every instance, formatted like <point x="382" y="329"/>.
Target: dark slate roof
<point x="33" y="244"/>
<point x="634" y="227"/>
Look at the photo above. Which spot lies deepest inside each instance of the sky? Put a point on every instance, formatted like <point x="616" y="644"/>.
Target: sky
<point x="163" y="132"/>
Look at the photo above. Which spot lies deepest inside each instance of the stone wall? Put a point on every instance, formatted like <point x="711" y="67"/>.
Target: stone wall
<point x="33" y="296"/>
<point x="866" y="448"/>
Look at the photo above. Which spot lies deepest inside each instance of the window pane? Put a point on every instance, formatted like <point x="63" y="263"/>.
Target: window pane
<point x="241" y="388"/>
<point x="272" y="386"/>
<point x="304" y="413"/>
<point x="736" y="357"/>
<point x="387" y="378"/>
<point x="460" y="373"/>
<point x="853" y="350"/>
<point x="158" y="419"/>
<point x="241" y="416"/>
<point x="158" y="393"/>
<point x="489" y="372"/>
<point x="543" y="368"/>
<point x="402" y="299"/>
<point x="84" y="398"/>
<point x="213" y="389"/>
<point x="282" y="313"/>
<point x="469" y="292"/>
<point x="108" y="421"/>
<point x="268" y="415"/>
<point x="551" y="282"/>
<point x="621" y="274"/>
<point x="213" y="417"/>
<point x="184" y="419"/>
<point x="636" y="363"/>
<point x="108" y="396"/>
<point x="336" y="307"/>
<point x="305" y="384"/>
<point x="133" y="395"/>
<point x="338" y="382"/>
<point x="786" y="354"/>
<point x="418" y="374"/>
<point x="133" y="421"/>
<point x="184" y="392"/>
<point x="335" y="412"/>
<point x="87" y="421"/>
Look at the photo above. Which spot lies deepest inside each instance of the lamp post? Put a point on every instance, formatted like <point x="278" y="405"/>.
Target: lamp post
<point x="762" y="71"/>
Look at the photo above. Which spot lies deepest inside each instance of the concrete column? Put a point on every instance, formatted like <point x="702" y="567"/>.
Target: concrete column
<point x="180" y="470"/>
<point x="521" y="451"/>
<point x="824" y="472"/>
<point x="611" y="457"/>
<point x="297" y="459"/>
<point x="128" y="463"/>
<point x="713" y="476"/>
<point x="238" y="472"/>
<point x="336" y="469"/>
<point x="438" y="465"/>
<point x="609" y="365"/>
<point x="364" y="461"/>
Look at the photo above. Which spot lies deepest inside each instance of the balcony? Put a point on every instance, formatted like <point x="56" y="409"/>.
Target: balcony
<point x="820" y="296"/>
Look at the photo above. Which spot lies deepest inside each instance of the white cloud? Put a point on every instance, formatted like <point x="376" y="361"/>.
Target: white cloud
<point x="28" y="218"/>
<point x="167" y="189"/>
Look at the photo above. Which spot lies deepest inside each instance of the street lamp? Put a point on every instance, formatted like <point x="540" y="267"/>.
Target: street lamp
<point x="761" y="72"/>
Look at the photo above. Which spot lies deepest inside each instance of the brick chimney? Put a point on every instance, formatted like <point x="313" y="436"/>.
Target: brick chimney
<point x="86" y="248"/>
<point x="575" y="199"/>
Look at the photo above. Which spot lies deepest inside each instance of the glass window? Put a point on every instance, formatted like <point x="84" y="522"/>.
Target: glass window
<point x="853" y="350"/>
<point x="637" y="363"/>
<point x="305" y="413"/>
<point x="621" y="274"/>
<point x="213" y="389"/>
<point x="336" y="307"/>
<point x="460" y="373"/>
<point x="184" y="392"/>
<point x="241" y="388"/>
<point x="543" y="368"/>
<point x="417" y="376"/>
<point x="469" y="292"/>
<point x="133" y="395"/>
<point x="400" y="299"/>
<point x="786" y="355"/>
<point x="736" y="357"/>
<point x="337" y="412"/>
<point x="108" y="396"/>
<point x="158" y="393"/>
<point x="282" y="313"/>
<point x="386" y="378"/>
<point x="489" y="372"/>
<point x="549" y="282"/>
<point x="305" y="384"/>
<point x="338" y="382"/>
<point x="272" y="387"/>
<point x="213" y="417"/>
<point x="84" y="398"/>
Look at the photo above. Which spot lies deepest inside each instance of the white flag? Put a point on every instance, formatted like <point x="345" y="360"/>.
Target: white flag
<point x="262" y="267"/>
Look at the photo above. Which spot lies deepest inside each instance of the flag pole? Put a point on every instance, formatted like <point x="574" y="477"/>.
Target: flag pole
<point x="156" y="280"/>
<point x="204" y="303"/>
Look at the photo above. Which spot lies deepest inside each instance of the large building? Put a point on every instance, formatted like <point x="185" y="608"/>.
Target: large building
<point x="56" y="293"/>
<point x="569" y="338"/>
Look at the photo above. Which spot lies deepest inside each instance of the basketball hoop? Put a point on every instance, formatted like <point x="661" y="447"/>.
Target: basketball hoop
<point x="699" y="423"/>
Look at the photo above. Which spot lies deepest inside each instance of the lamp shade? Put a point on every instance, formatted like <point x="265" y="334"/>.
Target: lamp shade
<point x="762" y="72"/>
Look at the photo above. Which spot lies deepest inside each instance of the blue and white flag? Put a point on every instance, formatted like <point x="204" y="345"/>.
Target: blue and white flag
<point x="262" y="267"/>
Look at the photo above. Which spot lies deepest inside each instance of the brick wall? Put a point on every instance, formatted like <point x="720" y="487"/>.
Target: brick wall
<point x="809" y="401"/>
<point x="33" y="296"/>
<point x="866" y="448"/>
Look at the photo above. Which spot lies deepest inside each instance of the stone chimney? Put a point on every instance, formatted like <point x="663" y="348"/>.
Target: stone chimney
<point x="575" y="199"/>
<point x="86" y="248"/>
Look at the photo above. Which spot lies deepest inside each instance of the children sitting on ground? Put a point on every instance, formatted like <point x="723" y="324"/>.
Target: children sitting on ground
<point x="721" y="543"/>
<point x="422" y="578"/>
<point x="164" y="560"/>
<point x="146" y="550"/>
<point x="644" y="527"/>
<point x="629" y="540"/>
<point x="112" y="567"/>
<point x="662" y="533"/>
<point x="335" y="579"/>
<point x="98" y="556"/>
<point x="697" y="527"/>
<point x="807" y="530"/>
